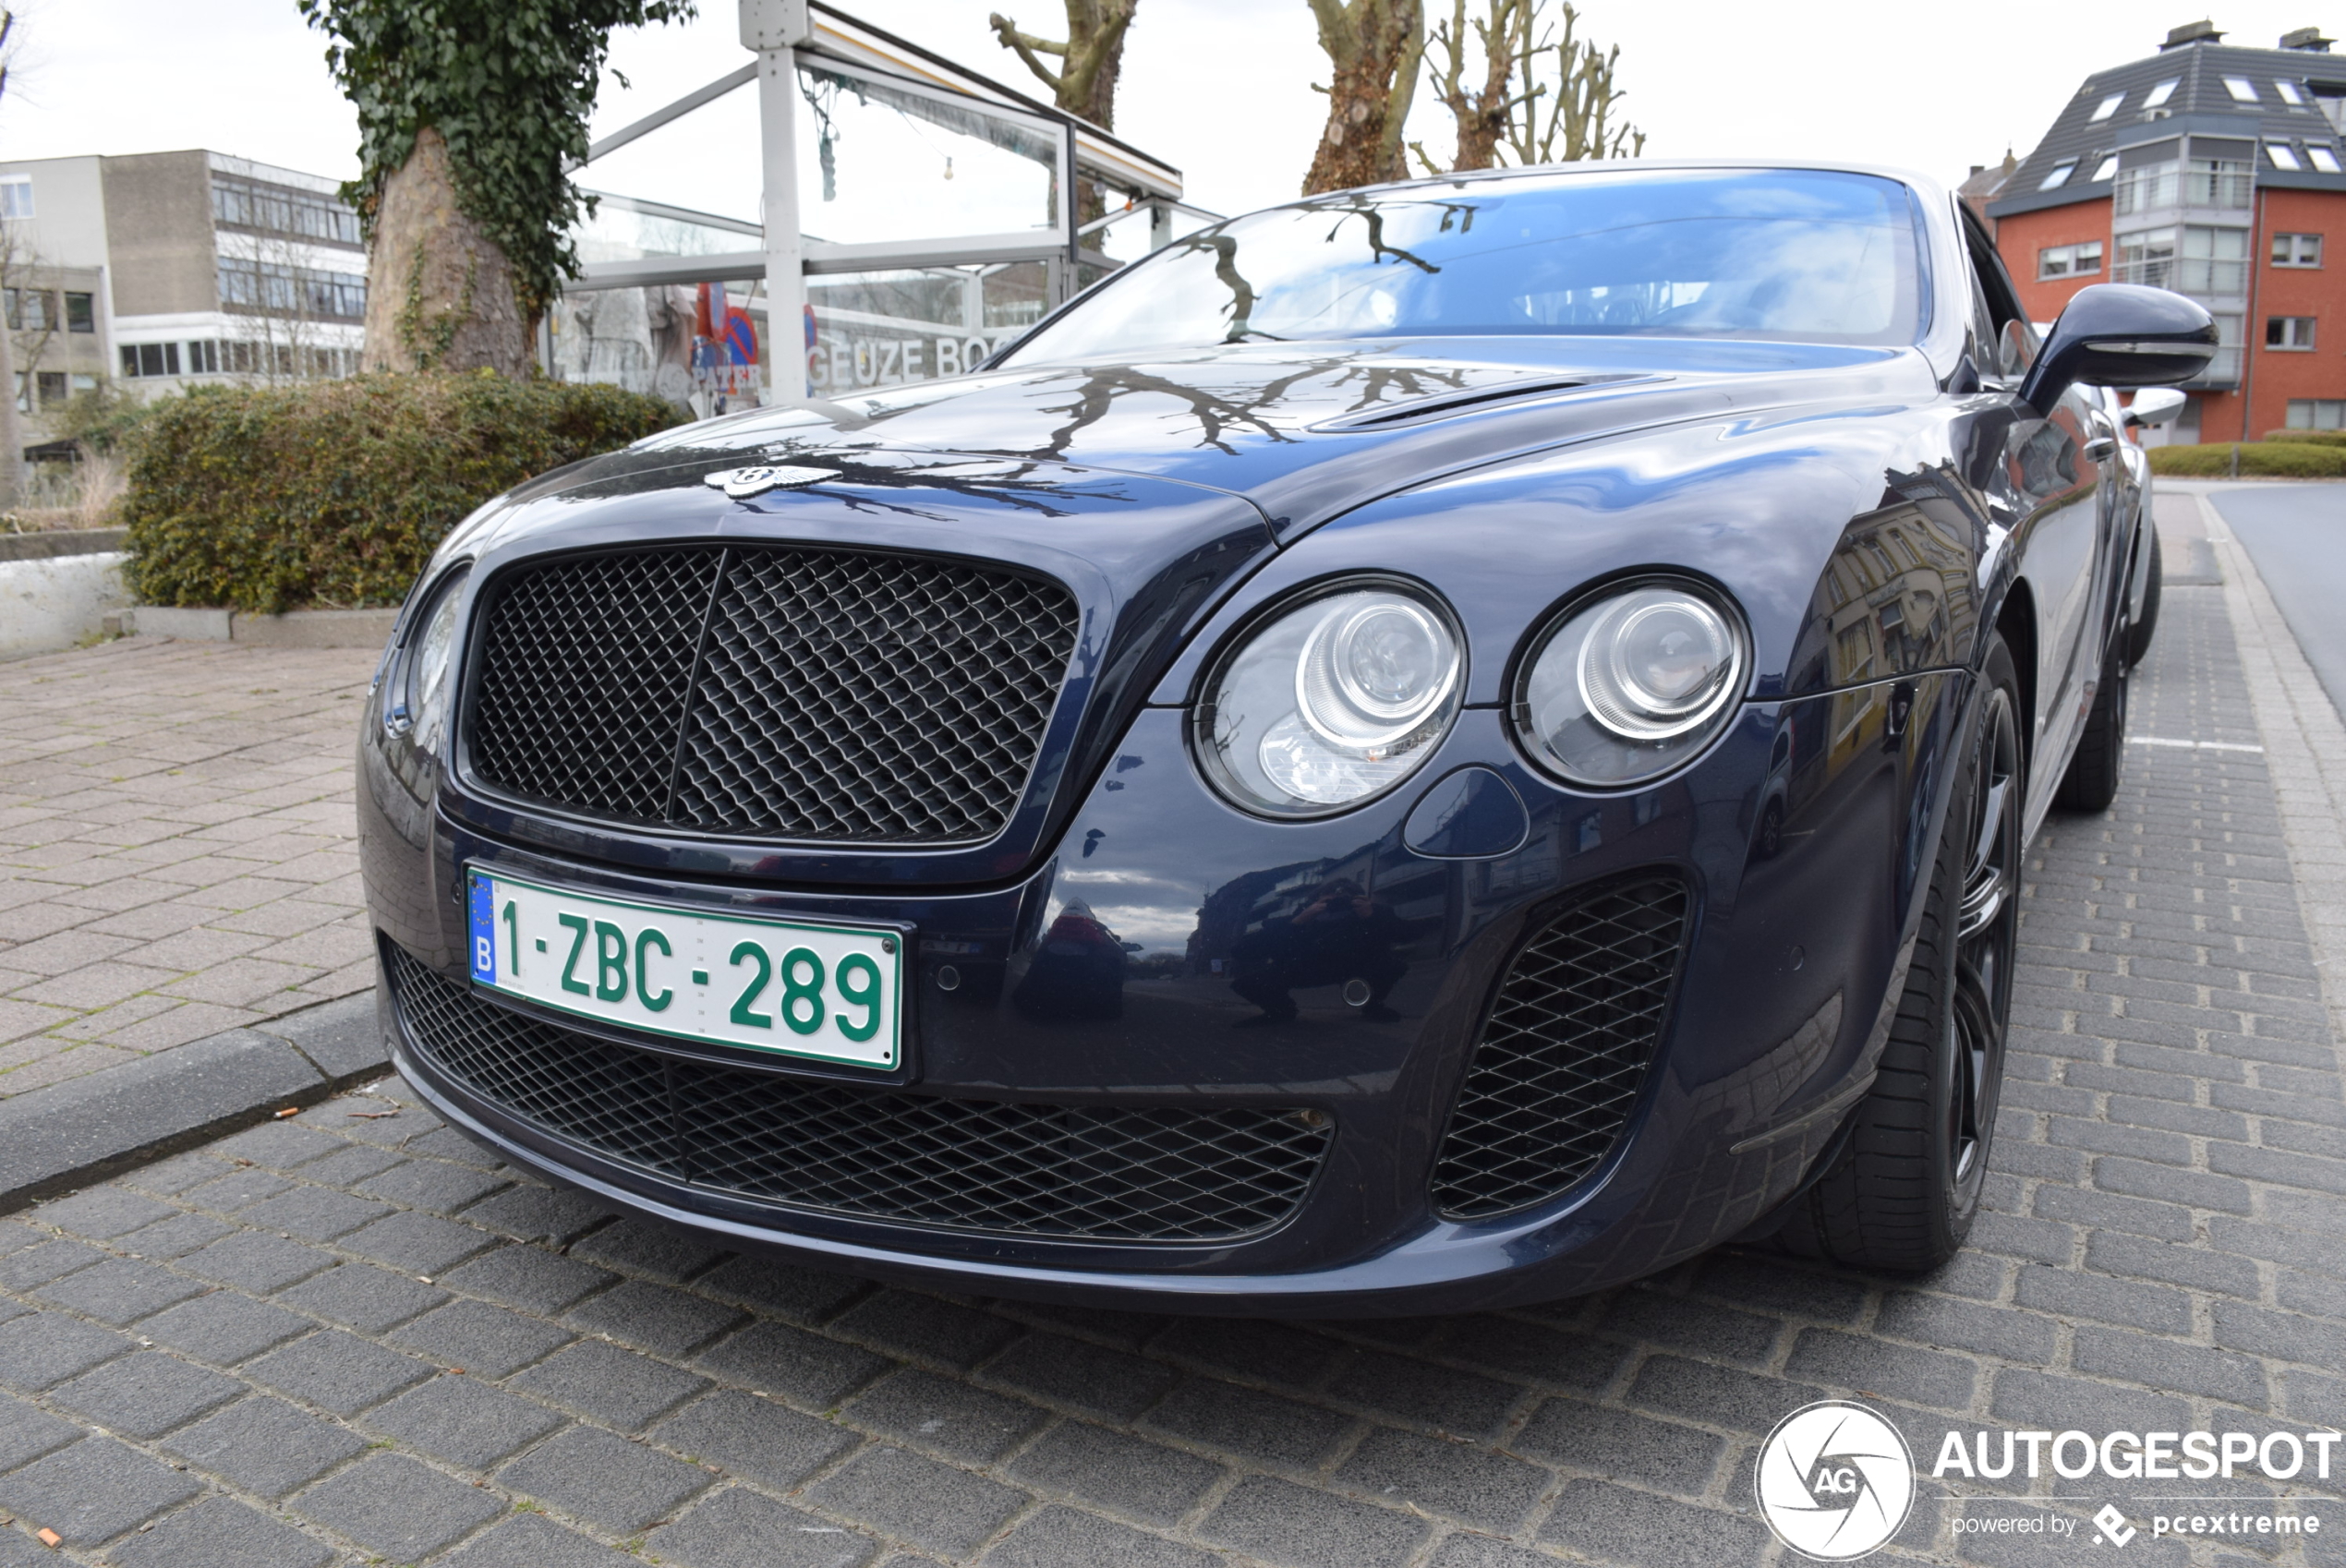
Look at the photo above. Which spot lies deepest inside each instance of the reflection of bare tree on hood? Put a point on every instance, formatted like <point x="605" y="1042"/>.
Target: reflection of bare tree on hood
<point x="1216" y="413"/>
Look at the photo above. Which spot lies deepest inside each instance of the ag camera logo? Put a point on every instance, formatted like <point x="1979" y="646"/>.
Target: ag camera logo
<point x="1835" y="1480"/>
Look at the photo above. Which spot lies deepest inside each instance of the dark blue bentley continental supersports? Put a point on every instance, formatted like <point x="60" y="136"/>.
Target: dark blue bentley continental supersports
<point x="1433" y="747"/>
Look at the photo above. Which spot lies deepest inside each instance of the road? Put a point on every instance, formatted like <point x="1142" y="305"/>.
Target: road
<point x="2296" y="534"/>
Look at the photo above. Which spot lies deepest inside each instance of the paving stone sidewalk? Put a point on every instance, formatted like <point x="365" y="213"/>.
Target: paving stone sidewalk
<point x="349" y="1337"/>
<point x="175" y="848"/>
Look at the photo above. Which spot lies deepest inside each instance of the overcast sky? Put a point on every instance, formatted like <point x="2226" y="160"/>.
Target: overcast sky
<point x="1219" y="87"/>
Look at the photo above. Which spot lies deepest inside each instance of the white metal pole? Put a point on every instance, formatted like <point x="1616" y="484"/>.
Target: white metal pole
<point x="774" y="29"/>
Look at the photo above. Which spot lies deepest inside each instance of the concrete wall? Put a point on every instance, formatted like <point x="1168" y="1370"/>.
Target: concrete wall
<point x="159" y="218"/>
<point x="51" y="604"/>
<point x="68" y="226"/>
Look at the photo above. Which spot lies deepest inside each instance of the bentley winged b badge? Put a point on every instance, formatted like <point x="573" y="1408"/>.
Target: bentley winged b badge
<point x="742" y="483"/>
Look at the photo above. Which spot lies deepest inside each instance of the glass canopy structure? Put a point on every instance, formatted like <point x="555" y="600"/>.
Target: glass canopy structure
<point x="908" y="214"/>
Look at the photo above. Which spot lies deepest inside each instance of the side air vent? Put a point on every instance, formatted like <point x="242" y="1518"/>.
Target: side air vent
<point x="1571" y="1033"/>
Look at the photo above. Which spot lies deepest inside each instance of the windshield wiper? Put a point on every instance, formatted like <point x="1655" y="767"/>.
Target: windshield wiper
<point x="1240" y="334"/>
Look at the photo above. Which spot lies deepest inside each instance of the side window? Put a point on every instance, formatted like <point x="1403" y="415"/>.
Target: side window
<point x="1984" y="351"/>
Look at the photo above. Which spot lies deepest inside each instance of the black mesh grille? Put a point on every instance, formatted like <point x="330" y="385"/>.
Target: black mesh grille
<point x="769" y="690"/>
<point x="1560" y="1063"/>
<point x="1104" y="1174"/>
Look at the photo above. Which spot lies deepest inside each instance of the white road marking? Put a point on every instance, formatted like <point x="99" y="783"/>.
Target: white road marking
<point x="2191" y="745"/>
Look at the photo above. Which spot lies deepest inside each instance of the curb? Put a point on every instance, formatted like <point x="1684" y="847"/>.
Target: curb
<point x="296" y="629"/>
<point x="67" y="1135"/>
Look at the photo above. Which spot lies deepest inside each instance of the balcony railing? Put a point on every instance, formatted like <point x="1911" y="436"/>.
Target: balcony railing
<point x="2150" y="274"/>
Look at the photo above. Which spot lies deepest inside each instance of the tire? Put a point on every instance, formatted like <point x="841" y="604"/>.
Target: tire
<point x="2138" y="635"/>
<point x="1902" y="1190"/>
<point x="2100" y="762"/>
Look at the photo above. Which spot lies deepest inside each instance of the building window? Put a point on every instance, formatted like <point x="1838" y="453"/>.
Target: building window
<point x="273" y="208"/>
<point x="2143" y="187"/>
<point x="2324" y="159"/>
<point x="2289" y="93"/>
<point x="2318" y="413"/>
<point x="2078" y="261"/>
<point x="2282" y="157"/>
<point x="2214" y="261"/>
<point x="16" y="196"/>
<point x="82" y="313"/>
<point x="2225" y="366"/>
<point x="2059" y="176"/>
<point x="2162" y="92"/>
<point x="150" y="359"/>
<point x="273" y="290"/>
<point x="31" y="309"/>
<point x="52" y="386"/>
<point x="2146" y="257"/>
<point x="2297" y="250"/>
<point x="2241" y="89"/>
<point x="2108" y="106"/>
<point x="2218" y="182"/>
<point x="2295" y="333"/>
<point x="2105" y="168"/>
<point x="204" y="358"/>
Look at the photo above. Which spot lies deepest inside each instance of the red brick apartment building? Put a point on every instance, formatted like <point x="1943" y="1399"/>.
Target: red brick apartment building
<point x="2218" y="173"/>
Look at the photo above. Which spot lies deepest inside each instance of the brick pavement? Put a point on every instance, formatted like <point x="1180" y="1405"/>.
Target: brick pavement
<point x="348" y="1337"/>
<point x="175" y="848"/>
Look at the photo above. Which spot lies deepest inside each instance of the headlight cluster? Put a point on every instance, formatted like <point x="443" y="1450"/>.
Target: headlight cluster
<point x="1626" y="686"/>
<point x="1340" y="698"/>
<point x="1333" y="702"/>
<point x="416" y="703"/>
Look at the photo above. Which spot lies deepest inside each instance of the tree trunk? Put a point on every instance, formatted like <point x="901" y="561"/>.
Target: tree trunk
<point x="1375" y="48"/>
<point x="11" y="430"/>
<point x="1084" y="85"/>
<point x="439" y="292"/>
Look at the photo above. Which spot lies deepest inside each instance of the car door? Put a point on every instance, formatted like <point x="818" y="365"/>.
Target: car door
<point x="2060" y="486"/>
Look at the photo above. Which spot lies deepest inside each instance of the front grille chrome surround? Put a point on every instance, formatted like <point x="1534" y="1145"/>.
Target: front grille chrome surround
<point x="771" y="690"/>
<point x="1083" y="1173"/>
<point x="1565" y="1053"/>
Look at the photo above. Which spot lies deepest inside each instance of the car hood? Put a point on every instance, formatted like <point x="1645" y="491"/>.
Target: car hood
<point x="1302" y="431"/>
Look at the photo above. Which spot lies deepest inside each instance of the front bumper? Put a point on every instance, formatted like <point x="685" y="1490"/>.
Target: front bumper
<point x="1778" y="1003"/>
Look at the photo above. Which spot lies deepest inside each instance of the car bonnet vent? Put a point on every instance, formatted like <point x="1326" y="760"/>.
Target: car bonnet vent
<point x="1442" y="406"/>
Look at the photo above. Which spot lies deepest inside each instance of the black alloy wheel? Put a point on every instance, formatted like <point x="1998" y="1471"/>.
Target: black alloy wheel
<point x="1903" y="1187"/>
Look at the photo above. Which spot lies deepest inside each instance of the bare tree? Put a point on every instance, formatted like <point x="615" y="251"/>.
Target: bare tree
<point x="1485" y="112"/>
<point x="287" y="337"/>
<point x="1578" y="125"/>
<point x="1374" y="50"/>
<point x="1544" y="97"/>
<point x="1091" y="58"/>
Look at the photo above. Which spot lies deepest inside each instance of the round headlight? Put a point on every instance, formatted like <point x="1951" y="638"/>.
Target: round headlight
<point x="1626" y="686"/>
<point x="420" y="697"/>
<point x="1333" y="702"/>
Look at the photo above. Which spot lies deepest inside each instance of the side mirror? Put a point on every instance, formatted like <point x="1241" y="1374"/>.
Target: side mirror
<point x="2121" y="336"/>
<point x="2155" y="406"/>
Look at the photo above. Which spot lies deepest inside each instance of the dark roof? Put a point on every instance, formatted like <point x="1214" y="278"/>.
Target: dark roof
<point x="2200" y="102"/>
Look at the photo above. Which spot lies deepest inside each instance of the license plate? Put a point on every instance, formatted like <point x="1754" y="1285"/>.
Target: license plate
<point x="795" y="988"/>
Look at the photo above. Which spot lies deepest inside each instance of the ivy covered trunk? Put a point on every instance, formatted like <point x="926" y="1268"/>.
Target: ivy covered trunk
<point x="439" y="292"/>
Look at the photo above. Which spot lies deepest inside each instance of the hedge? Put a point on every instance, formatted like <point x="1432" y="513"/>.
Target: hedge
<point x="2311" y="437"/>
<point x="2275" y="460"/>
<point x="333" y="493"/>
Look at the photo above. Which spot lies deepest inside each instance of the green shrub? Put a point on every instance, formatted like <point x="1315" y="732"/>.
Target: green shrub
<point x="335" y="492"/>
<point x="2264" y="460"/>
<point x="2310" y="437"/>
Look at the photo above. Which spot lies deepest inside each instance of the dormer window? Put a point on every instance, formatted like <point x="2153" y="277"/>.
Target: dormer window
<point x="2289" y="93"/>
<point x="2109" y="106"/>
<point x="2282" y="156"/>
<point x="2162" y="92"/>
<point x="2241" y="89"/>
<point x="2105" y="168"/>
<point x="2059" y="176"/>
<point x="2324" y="159"/>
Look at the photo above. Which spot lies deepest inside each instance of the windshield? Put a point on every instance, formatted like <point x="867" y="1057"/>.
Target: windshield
<point x="1773" y="255"/>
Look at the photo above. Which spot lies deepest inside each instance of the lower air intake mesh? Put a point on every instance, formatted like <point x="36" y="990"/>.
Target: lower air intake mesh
<point x="1565" y="1051"/>
<point x="1078" y="1171"/>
